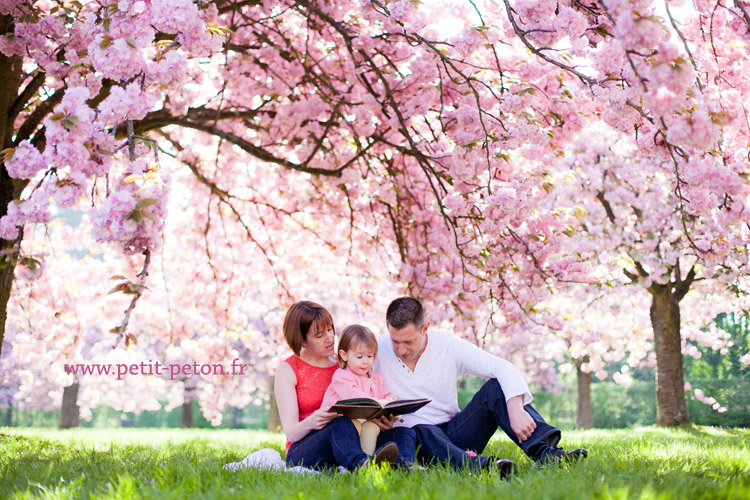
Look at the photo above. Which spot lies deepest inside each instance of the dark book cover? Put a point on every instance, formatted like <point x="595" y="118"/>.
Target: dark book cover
<point x="370" y="409"/>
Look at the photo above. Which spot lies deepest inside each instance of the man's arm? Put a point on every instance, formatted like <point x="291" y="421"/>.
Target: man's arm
<point x="474" y="361"/>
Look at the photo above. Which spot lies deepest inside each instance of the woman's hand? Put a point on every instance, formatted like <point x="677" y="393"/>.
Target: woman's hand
<point x="320" y="418"/>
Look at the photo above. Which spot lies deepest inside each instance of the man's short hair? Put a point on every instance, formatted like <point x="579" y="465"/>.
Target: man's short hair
<point x="405" y="311"/>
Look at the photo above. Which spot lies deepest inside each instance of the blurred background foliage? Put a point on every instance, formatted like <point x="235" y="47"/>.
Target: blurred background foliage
<point x="721" y="376"/>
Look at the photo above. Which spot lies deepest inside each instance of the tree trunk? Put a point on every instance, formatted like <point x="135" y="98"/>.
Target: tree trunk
<point x="237" y="414"/>
<point x="584" y="416"/>
<point x="274" y="421"/>
<point x="6" y="274"/>
<point x="9" y="416"/>
<point x="69" y="416"/>
<point x="670" y="381"/>
<point x="10" y="76"/>
<point x="187" y="414"/>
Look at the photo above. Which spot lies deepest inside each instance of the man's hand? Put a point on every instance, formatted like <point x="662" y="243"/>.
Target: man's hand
<point x="520" y="421"/>
<point x="385" y="422"/>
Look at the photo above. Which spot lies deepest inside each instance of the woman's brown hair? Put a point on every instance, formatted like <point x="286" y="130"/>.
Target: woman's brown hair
<point x="353" y="335"/>
<point x="298" y="320"/>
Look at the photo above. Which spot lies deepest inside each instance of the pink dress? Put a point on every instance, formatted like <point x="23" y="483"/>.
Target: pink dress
<point x="347" y="385"/>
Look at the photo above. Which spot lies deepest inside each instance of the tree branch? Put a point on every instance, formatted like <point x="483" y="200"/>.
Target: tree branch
<point x="683" y="286"/>
<point x="245" y="145"/>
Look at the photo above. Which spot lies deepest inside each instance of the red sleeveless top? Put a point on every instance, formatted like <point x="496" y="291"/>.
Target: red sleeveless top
<point x="312" y="382"/>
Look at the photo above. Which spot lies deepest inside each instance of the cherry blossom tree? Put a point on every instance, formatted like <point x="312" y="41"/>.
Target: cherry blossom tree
<point x="435" y="149"/>
<point x="209" y="301"/>
<point x="627" y="215"/>
<point x="600" y="327"/>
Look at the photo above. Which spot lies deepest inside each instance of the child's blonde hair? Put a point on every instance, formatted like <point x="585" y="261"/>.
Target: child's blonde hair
<point x="353" y="335"/>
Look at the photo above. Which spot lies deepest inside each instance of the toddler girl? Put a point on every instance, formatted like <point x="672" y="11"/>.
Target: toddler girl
<point x="354" y="379"/>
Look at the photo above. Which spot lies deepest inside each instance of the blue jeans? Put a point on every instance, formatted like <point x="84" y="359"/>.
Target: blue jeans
<point x="406" y="440"/>
<point x="473" y="427"/>
<point x="338" y="444"/>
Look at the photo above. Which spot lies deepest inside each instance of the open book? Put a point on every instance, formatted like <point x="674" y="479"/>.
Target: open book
<point x="370" y="409"/>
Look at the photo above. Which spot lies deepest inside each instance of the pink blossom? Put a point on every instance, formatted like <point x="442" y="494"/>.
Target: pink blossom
<point x="26" y="161"/>
<point x="68" y="189"/>
<point x="25" y="272"/>
<point x="133" y="215"/>
<point x="129" y="102"/>
<point x="169" y="70"/>
<point x="32" y="210"/>
<point x="637" y="31"/>
<point x="661" y="101"/>
<point x="693" y="130"/>
<point x="467" y="41"/>
<point x="118" y="59"/>
<point x="7" y="6"/>
<point x="401" y="10"/>
<point x="175" y="16"/>
<point x="571" y="22"/>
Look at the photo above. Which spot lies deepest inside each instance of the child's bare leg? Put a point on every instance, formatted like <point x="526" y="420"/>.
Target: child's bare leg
<point x="357" y="425"/>
<point x="368" y="437"/>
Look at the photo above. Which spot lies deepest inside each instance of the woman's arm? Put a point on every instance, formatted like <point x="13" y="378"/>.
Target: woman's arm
<point x="286" y="400"/>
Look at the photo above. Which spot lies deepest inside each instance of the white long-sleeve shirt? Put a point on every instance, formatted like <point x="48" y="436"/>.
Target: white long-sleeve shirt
<point x="445" y="358"/>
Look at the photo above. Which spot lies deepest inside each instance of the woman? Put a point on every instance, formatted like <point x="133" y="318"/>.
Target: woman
<point x="316" y="437"/>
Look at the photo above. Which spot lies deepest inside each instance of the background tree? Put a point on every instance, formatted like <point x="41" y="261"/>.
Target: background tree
<point x="599" y="330"/>
<point x="632" y="220"/>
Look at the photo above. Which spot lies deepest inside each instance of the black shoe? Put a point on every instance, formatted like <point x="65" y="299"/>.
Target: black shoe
<point x="558" y="455"/>
<point x="504" y="468"/>
<point x="388" y="453"/>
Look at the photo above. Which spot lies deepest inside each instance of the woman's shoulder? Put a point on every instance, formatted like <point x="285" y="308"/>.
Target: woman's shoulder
<point x="298" y="364"/>
<point x="292" y="361"/>
<point x="286" y="372"/>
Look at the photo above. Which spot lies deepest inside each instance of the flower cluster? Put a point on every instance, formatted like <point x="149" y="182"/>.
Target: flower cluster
<point x="32" y="210"/>
<point x="133" y="215"/>
<point x="26" y="161"/>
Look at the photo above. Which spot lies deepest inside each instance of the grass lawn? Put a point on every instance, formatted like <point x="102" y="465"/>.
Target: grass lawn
<point x="645" y="463"/>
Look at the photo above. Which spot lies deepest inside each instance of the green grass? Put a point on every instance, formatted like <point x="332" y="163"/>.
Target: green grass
<point x="645" y="463"/>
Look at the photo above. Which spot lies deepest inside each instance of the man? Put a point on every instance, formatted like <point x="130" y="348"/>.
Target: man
<point x="421" y="363"/>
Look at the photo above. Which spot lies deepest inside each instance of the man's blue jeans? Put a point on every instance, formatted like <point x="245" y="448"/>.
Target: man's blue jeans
<point x="473" y="427"/>
<point x="406" y="440"/>
<point x="338" y="444"/>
